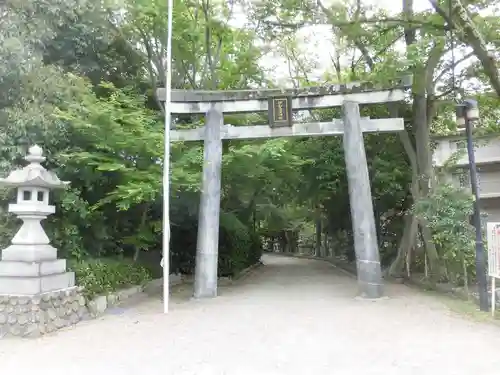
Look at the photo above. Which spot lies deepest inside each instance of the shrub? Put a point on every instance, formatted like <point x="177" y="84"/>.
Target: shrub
<point x="101" y="276"/>
<point x="255" y="249"/>
<point x="238" y="246"/>
<point x="447" y="211"/>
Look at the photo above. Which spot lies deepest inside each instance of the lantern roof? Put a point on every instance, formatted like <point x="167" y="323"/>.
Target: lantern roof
<point x="34" y="174"/>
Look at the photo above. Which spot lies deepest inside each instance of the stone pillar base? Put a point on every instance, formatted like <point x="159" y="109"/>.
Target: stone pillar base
<point x="28" y="286"/>
<point x="31" y="278"/>
<point x="39" y="314"/>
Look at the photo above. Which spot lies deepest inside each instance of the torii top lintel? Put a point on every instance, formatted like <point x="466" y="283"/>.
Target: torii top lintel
<point x="199" y="101"/>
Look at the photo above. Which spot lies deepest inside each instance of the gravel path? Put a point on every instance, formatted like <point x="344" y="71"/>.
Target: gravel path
<point x="292" y="316"/>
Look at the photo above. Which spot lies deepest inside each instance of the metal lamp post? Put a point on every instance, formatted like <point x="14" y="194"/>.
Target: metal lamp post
<point x="166" y="162"/>
<point x="467" y="112"/>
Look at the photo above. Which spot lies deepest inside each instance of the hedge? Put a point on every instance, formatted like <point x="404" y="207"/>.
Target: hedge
<point x="239" y="246"/>
<point x="102" y="276"/>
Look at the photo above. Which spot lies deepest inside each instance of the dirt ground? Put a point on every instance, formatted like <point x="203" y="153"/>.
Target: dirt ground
<point x="290" y="316"/>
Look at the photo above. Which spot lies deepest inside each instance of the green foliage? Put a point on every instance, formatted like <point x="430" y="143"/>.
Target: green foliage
<point x="239" y="247"/>
<point x="99" y="276"/>
<point x="119" y="139"/>
<point x="68" y="224"/>
<point x="447" y="211"/>
<point x="79" y="78"/>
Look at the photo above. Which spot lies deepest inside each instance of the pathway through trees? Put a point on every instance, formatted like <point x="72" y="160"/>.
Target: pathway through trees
<point x="292" y="316"/>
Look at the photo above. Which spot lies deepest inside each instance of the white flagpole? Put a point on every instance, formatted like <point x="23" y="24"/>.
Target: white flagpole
<point x="166" y="162"/>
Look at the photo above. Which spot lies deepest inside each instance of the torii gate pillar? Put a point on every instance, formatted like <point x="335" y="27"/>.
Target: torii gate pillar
<point x="205" y="280"/>
<point x="360" y="197"/>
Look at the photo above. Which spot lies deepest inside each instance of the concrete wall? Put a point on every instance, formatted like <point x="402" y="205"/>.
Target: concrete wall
<point x="488" y="165"/>
<point x="488" y="178"/>
<point x="492" y="208"/>
<point x="487" y="151"/>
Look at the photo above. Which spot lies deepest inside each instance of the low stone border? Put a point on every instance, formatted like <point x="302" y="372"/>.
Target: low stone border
<point x="98" y="305"/>
<point x="34" y="316"/>
<point x="158" y="283"/>
<point x="247" y="270"/>
<point x="348" y="268"/>
<point x="189" y="279"/>
<point x="447" y="289"/>
<point x="226" y="280"/>
<point x="454" y="291"/>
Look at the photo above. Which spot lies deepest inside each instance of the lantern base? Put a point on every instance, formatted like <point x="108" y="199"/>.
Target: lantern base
<point x="29" y="253"/>
<point x="35" y="285"/>
<point x="32" y="269"/>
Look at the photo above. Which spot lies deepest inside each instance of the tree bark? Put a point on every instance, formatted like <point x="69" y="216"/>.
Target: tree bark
<point x="425" y="172"/>
<point x="142" y="225"/>
<point x="421" y="122"/>
<point x="396" y="269"/>
<point x="325" y="241"/>
<point x="411" y="224"/>
<point x="318" y="232"/>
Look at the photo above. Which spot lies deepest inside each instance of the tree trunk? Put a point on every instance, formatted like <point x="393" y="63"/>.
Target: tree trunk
<point x="142" y="225"/>
<point x="411" y="224"/>
<point x="397" y="267"/>
<point x="318" y="232"/>
<point x="424" y="161"/>
<point x="325" y="243"/>
<point x="423" y="74"/>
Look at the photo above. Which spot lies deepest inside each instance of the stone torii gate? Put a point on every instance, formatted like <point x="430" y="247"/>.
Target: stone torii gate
<point x="280" y="104"/>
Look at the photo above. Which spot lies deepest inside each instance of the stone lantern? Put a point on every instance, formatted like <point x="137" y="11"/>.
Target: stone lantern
<point x="29" y="266"/>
